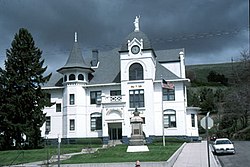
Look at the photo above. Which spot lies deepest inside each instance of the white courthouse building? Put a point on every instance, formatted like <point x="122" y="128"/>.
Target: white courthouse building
<point x="97" y="98"/>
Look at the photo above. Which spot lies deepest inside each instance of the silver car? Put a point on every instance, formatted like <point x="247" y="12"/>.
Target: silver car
<point x="223" y="146"/>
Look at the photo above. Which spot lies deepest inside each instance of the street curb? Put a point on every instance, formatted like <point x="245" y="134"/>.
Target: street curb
<point x="217" y="161"/>
<point x="215" y="157"/>
<point x="173" y="158"/>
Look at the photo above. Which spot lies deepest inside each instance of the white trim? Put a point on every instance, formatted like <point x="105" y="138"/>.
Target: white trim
<point x="96" y="85"/>
<point x="174" y="80"/>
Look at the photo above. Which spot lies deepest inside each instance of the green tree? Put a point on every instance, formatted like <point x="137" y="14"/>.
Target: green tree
<point x="23" y="98"/>
<point x="217" y="78"/>
<point x="237" y="106"/>
<point x="193" y="98"/>
<point x="207" y="101"/>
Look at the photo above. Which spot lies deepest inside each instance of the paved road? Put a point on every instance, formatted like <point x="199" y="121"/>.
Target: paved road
<point x="240" y="159"/>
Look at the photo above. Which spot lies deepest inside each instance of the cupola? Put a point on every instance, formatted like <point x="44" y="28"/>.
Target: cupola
<point x="137" y="35"/>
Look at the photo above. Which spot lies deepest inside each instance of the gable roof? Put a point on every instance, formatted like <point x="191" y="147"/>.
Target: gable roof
<point x="170" y="55"/>
<point x="162" y="72"/>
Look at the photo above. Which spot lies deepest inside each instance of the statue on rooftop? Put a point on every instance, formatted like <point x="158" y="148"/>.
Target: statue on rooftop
<point x="136" y="23"/>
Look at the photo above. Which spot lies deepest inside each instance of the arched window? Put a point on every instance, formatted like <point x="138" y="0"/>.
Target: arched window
<point x="136" y="72"/>
<point x="96" y="121"/>
<point x="72" y="77"/>
<point x="80" y="77"/>
<point x="169" y="118"/>
<point x="65" y="78"/>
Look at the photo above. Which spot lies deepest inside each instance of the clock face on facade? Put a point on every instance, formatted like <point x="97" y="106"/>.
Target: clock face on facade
<point x="135" y="49"/>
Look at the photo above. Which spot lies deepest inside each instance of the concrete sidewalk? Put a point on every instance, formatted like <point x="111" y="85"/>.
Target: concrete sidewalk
<point x="195" y="155"/>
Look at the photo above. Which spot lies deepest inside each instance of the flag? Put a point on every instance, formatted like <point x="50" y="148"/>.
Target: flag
<point x="167" y="85"/>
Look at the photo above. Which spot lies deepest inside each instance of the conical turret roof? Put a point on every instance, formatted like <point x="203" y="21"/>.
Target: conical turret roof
<point x="75" y="59"/>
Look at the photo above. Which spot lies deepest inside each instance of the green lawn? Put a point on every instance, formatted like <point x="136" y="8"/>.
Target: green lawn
<point x="25" y="156"/>
<point x="118" y="154"/>
<point x="113" y="154"/>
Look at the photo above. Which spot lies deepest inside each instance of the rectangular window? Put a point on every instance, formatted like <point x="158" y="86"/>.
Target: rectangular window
<point x="95" y="97"/>
<point x="169" y="119"/>
<point x="47" y="125"/>
<point x="58" y="107"/>
<point x="136" y="98"/>
<point x="96" y="121"/>
<point x="115" y="92"/>
<point x="71" y="124"/>
<point x="193" y="120"/>
<point x="168" y="94"/>
<point x="72" y="99"/>
<point x="48" y="96"/>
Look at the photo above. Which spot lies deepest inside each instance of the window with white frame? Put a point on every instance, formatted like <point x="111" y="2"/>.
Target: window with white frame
<point x="47" y="125"/>
<point x="193" y="120"/>
<point x="71" y="124"/>
<point x="115" y="92"/>
<point x="136" y="98"/>
<point x="168" y="94"/>
<point x="48" y="96"/>
<point x="96" y="121"/>
<point x="136" y="72"/>
<point x="72" y="77"/>
<point x="95" y="97"/>
<point x="80" y="77"/>
<point x="169" y="118"/>
<point x="72" y="99"/>
<point x="58" y="107"/>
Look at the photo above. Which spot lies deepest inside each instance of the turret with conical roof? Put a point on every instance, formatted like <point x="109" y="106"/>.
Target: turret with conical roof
<point x="75" y="59"/>
<point x="76" y="68"/>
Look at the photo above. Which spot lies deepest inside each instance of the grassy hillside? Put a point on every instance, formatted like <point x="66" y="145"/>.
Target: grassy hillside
<point x="201" y="71"/>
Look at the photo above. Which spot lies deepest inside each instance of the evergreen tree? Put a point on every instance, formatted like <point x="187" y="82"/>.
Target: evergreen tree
<point x="207" y="102"/>
<point x="24" y="99"/>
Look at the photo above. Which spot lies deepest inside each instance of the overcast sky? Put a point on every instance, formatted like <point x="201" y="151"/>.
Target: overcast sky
<point x="211" y="31"/>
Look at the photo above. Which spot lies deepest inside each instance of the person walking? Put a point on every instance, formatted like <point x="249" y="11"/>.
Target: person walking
<point x="137" y="163"/>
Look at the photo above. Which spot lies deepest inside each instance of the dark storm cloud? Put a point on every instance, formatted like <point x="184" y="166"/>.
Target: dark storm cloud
<point x="213" y="30"/>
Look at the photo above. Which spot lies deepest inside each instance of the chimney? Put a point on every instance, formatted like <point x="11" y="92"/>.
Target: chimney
<point x="182" y="64"/>
<point x="94" y="60"/>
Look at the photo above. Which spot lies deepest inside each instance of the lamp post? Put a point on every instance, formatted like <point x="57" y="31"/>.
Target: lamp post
<point x="208" y="155"/>
<point x="163" y="128"/>
<point x="47" y="148"/>
<point x="59" y="141"/>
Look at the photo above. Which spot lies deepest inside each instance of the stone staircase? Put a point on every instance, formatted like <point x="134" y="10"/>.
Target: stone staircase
<point x="114" y="142"/>
<point x="54" y="158"/>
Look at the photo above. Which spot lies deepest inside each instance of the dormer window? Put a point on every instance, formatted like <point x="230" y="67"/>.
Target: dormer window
<point x="65" y="78"/>
<point x="80" y="77"/>
<point x="72" y="77"/>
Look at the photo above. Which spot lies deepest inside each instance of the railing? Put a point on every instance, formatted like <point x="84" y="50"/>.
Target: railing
<point x="112" y="99"/>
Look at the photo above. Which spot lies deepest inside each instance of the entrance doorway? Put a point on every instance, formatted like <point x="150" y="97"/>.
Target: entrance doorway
<point x="115" y="131"/>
